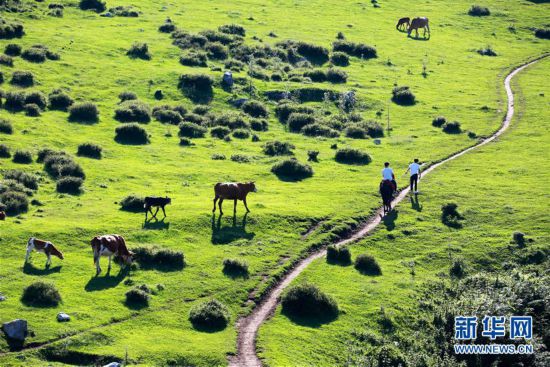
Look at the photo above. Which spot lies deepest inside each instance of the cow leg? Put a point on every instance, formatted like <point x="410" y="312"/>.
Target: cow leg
<point x="163" y="212"/>
<point x="29" y="250"/>
<point x="220" y="205"/>
<point x="146" y="211"/>
<point x="246" y="206"/>
<point x="97" y="267"/>
<point x="109" y="267"/>
<point x="214" y="209"/>
<point x="49" y="260"/>
<point x="155" y="215"/>
<point x="235" y="206"/>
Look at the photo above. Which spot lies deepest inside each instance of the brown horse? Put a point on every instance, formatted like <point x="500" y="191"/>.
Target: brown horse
<point x="403" y="24"/>
<point x="417" y="23"/>
<point x="386" y="191"/>
<point x="232" y="191"/>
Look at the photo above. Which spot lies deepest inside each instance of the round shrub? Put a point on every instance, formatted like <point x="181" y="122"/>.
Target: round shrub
<point x="22" y="78"/>
<point x="241" y="134"/>
<point x="519" y="238"/>
<point x="194" y="58"/>
<point x="32" y="110"/>
<point x="338" y="255"/>
<point x="479" y="11"/>
<point x="403" y="96"/>
<point x="231" y="120"/>
<point x="8" y="29"/>
<point x="14" y="202"/>
<point x="317" y="75"/>
<point x="450" y="215"/>
<point x="131" y="134"/>
<point x="458" y="269"/>
<point x="96" y="5"/>
<point x="235" y="268"/>
<point x="38" y="98"/>
<point x="354" y="49"/>
<point x="336" y="75"/>
<point x="356" y="132"/>
<point x="232" y="29"/>
<point x="218" y="157"/>
<point x="59" y="164"/>
<point x="35" y="54"/>
<point x="308" y="301"/>
<point x="259" y="124"/>
<point x="83" y="112"/>
<point x="210" y="315"/>
<point x="312" y="155"/>
<point x="4" y="151"/>
<point x="352" y="156"/>
<point x="69" y="185"/>
<point x="41" y="294"/>
<point x="216" y="51"/>
<point x="313" y="53"/>
<point x="452" y="127"/>
<point x="133" y="111"/>
<point x="543" y="33"/>
<point x="366" y="264"/>
<point x="26" y="179"/>
<point x="276" y="147"/>
<point x="6" y="60"/>
<point x="59" y="100"/>
<point x="197" y="87"/>
<point x="12" y="49"/>
<point x="487" y="51"/>
<point x="168" y="117"/>
<point x="191" y="130"/>
<point x="439" y="121"/>
<point x="319" y="130"/>
<point x="219" y="132"/>
<point x="185" y="142"/>
<point x="292" y="169"/>
<point x="132" y="203"/>
<point x="89" y="150"/>
<point x="296" y="121"/>
<point x="137" y="298"/>
<point x="255" y="109"/>
<point x="15" y="101"/>
<point x="240" y="158"/>
<point x="339" y="59"/>
<point x="5" y="126"/>
<point x="158" y="94"/>
<point x="167" y="27"/>
<point x="285" y="109"/>
<point x="127" y="96"/>
<point x="201" y="110"/>
<point x="139" y="50"/>
<point x="22" y="156"/>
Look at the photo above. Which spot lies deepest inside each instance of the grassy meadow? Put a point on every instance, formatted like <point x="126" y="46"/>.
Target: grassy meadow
<point x="445" y="73"/>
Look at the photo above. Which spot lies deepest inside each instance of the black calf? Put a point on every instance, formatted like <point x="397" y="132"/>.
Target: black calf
<point x="158" y="202"/>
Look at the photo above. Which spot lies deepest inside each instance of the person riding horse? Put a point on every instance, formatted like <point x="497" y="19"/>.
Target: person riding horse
<point x="388" y="186"/>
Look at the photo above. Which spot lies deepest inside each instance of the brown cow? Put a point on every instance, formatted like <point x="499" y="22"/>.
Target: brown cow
<point x="109" y="245"/>
<point x="45" y="247"/>
<point x="2" y="215"/>
<point x="417" y="23"/>
<point x="232" y="191"/>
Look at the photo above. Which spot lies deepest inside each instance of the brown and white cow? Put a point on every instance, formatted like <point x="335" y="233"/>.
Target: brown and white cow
<point x="46" y="247"/>
<point x="232" y="191"/>
<point x="109" y="245"/>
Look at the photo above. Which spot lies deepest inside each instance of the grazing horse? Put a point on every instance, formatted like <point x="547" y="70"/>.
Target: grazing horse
<point x="109" y="245"/>
<point x="2" y="215"/>
<point x="386" y="191"/>
<point x="403" y="24"/>
<point x="232" y="191"/>
<point x="420" y="23"/>
<point x="158" y="202"/>
<point x="46" y="247"/>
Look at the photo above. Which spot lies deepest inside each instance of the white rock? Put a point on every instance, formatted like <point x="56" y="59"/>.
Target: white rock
<point x="61" y="317"/>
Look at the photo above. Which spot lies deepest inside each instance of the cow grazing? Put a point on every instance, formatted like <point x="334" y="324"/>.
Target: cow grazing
<point x="155" y="201"/>
<point x="2" y="215"/>
<point x="109" y="245"/>
<point x="46" y="247"/>
<point x="232" y="191"/>
<point x="403" y="23"/>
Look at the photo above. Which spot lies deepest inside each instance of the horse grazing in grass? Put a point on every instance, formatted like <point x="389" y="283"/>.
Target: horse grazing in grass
<point x="386" y="191"/>
<point x="46" y="247"/>
<point x="232" y="191"/>
<point x="417" y="23"/>
<point x="403" y="24"/>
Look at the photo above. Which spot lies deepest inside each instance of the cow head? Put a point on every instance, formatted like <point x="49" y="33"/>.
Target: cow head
<point x="168" y="200"/>
<point x="95" y="242"/>
<point x="128" y="258"/>
<point x="252" y="186"/>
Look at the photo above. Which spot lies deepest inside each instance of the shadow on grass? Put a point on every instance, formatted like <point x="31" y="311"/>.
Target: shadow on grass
<point x="415" y="204"/>
<point x="389" y="220"/>
<point x="98" y="283"/>
<point x="226" y="234"/>
<point x="60" y="353"/>
<point x="30" y="269"/>
<point x="207" y="328"/>
<point x="235" y="273"/>
<point x="157" y="225"/>
<point x="312" y="321"/>
<point x="13" y="344"/>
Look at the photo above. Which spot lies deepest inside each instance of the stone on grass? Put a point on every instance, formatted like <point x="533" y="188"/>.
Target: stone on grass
<point x="63" y="317"/>
<point x="377" y="141"/>
<point x="16" y="329"/>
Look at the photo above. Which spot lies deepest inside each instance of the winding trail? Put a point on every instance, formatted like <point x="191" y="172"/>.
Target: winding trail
<point x="248" y="326"/>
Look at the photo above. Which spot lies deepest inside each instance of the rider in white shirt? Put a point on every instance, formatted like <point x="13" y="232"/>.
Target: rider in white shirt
<point x="414" y="169"/>
<point x="387" y="174"/>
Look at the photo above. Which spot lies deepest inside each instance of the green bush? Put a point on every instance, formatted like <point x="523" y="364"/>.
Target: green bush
<point x="22" y="78"/>
<point x="209" y="315"/>
<point x="12" y="49"/>
<point x="59" y="164"/>
<point x="137" y="298"/>
<point x="132" y="203"/>
<point x="286" y="108"/>
<point x="37" y="98"/>
<point x="26" y="179"/>
<point x="14" y="202"/>
<point x="452" y="127"/>
<point x="255" y="109"/>
<point x="312" y="155"/>
<point x="167" y="27"/>
<point x="41" y="294"/>
<point x="296" y="121"/>
<point x="479" y="11"/>
<point x="241" y="134"/>
<point x="450" y="215"/>
<point x="291" y="169"/>
<point x="259" y="124"/>
<point x="315" y="54"/>
<point x="317" y="129"/>
<point x="339" y="59"/>
<point x="131" y="134"/>
<point x="218" y="157"/>
<point x="354" y="49"/>
<point x="216" y="51"/>
<point x="235" y="268"/>
<point x="6" y="60"/>
<point x="59" y="100"/>
<point x="219" y="132"/>
<point x="338" y="255"/>
<point x="4" y="151"/>
<point x="69" y="185"/>
<point x="487" y="51"/>
<point x="127" y="96"/>
<point x="439" y="121"/>
<point x="458" y="269"/>
<point x="352" y="156"/>
<point x="124" y="11"/>
<point x="9" y="30"/>
<point x="96" y="5"/>
<point x="22" y="156"/>
<point x="133" y="111"/>
<point x="194" y="58"/>
<point x="191" y="130"/>
<point x="403" y="96"/>
<point x="168" y="117"/>
<point x="337" y="75"/>
<point x="201" y="110"/>
<point x="366" y="264"/>
<point x="197" y="87"/>
<point x="230" y="120"/>
<point x="90" y="150"/>
<point x="14" y="101"/>
<point x="232" y="29"/>
<point x="317" y="75"/>
<point x="5" y="126"/>
<point x="139" y="50"/>
<point x="276" y="147"/>
<point x="83" y="112"/>
<point x="185" y="142"/>
<point x="159" y="258"/>
<point x="543" y="33"/>
<point x="308" y="301"/>
<point x="32" y="110"/>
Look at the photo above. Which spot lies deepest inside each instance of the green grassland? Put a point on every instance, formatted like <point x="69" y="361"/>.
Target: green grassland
<point x="498" y="189"/>
<point x="459" y="84"/>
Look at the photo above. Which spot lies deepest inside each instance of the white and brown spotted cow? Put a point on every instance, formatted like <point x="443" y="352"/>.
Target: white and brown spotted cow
<point x="109" y="245"/>
<point x="46" y="247"/>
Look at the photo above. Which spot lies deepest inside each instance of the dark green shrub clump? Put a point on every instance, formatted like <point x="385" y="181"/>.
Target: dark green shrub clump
<point x="137" y="298"/>
<point x="364" y="130"/>
<point x="452" y="127"/>
<point x="241" y="134"/>
<point x="139" y="50"/>
<point x="255" y="109"/>
<point x="235" y="268"/>
<point x="240" y="158"/>
<point x="159" y="258"/>
<point x="6" y="60"/>
<point x="450" y="215"/>
<point x="25" y="179"/>
<point x="458" y="269"/>
<point x="316" y="129"/>
<point x="37" y="98"/>
<point x="167" y="27"/>
<point x="5" y="126"/>
<point x="9" y="30"/>
<point x="185" y="142"/>
<point x="168" y="117"/>
<point x="32" y="110"/>
<point x="131" y="134"/>
<point x="276" y="147"/>
<point x="14" y="202"/>
<point x="12" y="49"/>
<point x="96" y="5"/>
<point x="4" y="151"/>
<point x="219" y="132"/>
<point x="197" y="87"/>
<point x="543" y="33"/>
<point x="291" y="169"/>
<point x="352" y="156"/>
<point x="296" y="121"/>
<point x="34" y="54"/>
<point x="339" y="59"/>
<point x="354" y="49"/>
<point x="479" y="11"/>
<point x="312" y="155"/>
<point x="285" y="109"/>
<point x="194" y="58"/>
<point x="127" y="96"/>
<point x="133" y="111"/>
<point x="69" y="185"/>
<point x="22" y="156"/>
<point x="15" y="101"/>
<point x="259" y="124"/>
<point x="366" y="264"/>
<point x="59" y="164"/>
<point x="232" y="29"/>
<point x="307" y="301"/>
<point x="124" y="11"/>
<point x="191" y="130"/>
<point x="519" y="238"/>
<point x="210" y="315"/>
<point x="132" y="203"/>
<point x="316" y="75"/>
<point x="41" y="294"/>
<point x="487" y="51"/>
<point x="89" y="150"/>
<point x="336" y="75"/>
<point x="216" y="51"/>
<point x="59" y="100"/>
<point x="86" y="112"/>
<point x="338" y="255"/>
<point x="22" y="78"/>
<point x="403" y="96"/>
<point x="313" y="53"/>
<point x="439" y="121"/>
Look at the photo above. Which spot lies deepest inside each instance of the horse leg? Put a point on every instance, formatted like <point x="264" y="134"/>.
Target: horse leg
<point x="246" y="206"/>
<point x="220" y="205"/>
<point x="214" y="209"/>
